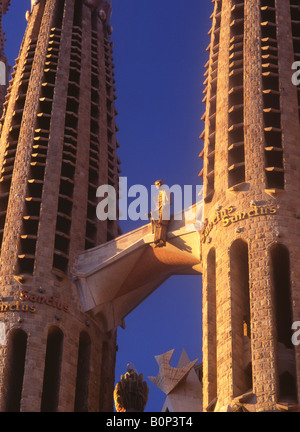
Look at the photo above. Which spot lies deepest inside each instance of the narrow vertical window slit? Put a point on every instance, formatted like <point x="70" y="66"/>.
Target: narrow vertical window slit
<point x="295" y="23"/>
<point x="236" y="151"/>
<point x="33" y="200"/>
<point x="241" y="323"/>
<point x="52" y="370"/>
<point x="271" y="98"/>
<point x="69" y="155"/>
<point x="212" y="102"/>
<point x="282" y="297"/>
<point x="14" y="370"/>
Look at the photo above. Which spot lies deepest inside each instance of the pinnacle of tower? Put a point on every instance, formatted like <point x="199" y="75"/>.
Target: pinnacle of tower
<point x="169" y="377"/>
<point x="28" y="13"/>
<point x="4" y="66"/>
<point x="102" y="6"/>
<point x="34" y="2"/>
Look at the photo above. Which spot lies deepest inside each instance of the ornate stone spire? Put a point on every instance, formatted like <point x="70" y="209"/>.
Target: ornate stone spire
<point x="169" y="377"/>
<point x="102" y="6"/>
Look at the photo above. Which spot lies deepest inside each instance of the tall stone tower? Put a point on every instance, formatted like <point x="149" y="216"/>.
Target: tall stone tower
<point x="58" y="144"/>
<point x="250" y="250"/>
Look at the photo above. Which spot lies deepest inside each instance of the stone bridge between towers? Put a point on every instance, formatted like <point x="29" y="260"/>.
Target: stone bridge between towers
<point x="115" y="277"/>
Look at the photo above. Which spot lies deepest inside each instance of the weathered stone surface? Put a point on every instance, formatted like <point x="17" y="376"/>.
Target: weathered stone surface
<point x="54" y="140"/>
<point x="262" y="216"/>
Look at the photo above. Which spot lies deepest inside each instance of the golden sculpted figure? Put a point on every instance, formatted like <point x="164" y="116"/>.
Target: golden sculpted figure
<point x="160" y="216"/>
<point x="131" y="392"/>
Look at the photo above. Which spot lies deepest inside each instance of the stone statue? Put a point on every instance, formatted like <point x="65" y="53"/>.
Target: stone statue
<point x="161" y="215"/>
<point x="131" y="392"/>
<point x="34" y="3"/>
<point x="102" y="6"/>
<point x="28" y="13"/>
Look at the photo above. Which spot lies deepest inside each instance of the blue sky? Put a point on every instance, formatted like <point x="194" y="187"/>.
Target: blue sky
<point x="159" y="57"/>
<point x="159" y="52"/>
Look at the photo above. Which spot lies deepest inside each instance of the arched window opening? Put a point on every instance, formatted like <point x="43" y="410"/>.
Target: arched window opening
<point x="241" y="333"/>
<point x="52" y="370"/>
<point x="14" y="372"/>
<point x="286" y="362"/>
<point x="212" y="324"/>
<point x="83" y="373"/>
